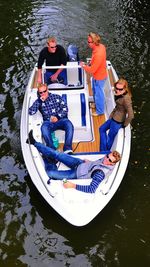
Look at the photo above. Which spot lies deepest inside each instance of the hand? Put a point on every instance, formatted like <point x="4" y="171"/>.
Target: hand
<point x="53" y="119"/>
<point x="54" y="77"/>
<point x="82" y="64"/>
<point x="69" y="185"/>
<point x="43" y="98"/>
<point x="86" y="160"/>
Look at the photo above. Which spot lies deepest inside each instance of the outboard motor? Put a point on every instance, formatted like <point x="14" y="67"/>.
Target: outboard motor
<point x="72" y="53"/>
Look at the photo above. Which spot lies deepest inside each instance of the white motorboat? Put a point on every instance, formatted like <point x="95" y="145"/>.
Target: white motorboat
<point x="78" y="208"/>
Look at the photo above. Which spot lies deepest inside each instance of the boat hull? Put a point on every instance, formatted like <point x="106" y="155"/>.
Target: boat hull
<point x="76" y="207"/>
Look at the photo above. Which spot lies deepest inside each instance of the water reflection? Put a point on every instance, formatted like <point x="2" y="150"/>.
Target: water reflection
<point x="32" y="233"/>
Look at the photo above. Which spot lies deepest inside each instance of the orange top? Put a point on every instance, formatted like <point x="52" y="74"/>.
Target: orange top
<point x="98" y="63"/>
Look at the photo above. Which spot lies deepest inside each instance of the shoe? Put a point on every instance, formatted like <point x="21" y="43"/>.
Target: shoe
<point x="92" y="105"/>
<point x="30" y="140"/>
<point x="69" y="152"/>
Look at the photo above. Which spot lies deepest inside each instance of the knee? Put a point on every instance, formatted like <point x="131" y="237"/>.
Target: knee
<point x="68" y="124"/>
<point x="44" y="129"/>
<point x="46" y="126"/>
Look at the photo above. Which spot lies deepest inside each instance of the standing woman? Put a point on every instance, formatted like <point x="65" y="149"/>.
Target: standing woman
<point x="98" y="70"/>
<point x="120" y="117"/>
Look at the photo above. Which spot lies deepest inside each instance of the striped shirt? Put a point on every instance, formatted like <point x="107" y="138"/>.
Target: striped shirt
<point x="54" y="105"/>
<point x="97" y="177"/>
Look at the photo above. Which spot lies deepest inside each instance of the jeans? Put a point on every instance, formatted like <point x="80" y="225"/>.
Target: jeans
<point x="106" y="140"/>
<point x="63" y="124"/>
<point x="62" y="77"/>
<point x="98" y="94"/>
<point x="66" y="159"/>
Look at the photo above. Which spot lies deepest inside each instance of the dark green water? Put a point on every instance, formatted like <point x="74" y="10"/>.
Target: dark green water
<point x="32" y="234"/>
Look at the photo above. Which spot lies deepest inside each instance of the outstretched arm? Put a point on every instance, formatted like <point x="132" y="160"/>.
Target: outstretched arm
<point x="97" y="177"/>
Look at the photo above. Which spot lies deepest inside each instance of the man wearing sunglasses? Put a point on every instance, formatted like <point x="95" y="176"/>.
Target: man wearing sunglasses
<point x="78" y="168"/>
<point x="54" y="55"/>
<point x="54" y="111"/>
<point x="97" y="68"/>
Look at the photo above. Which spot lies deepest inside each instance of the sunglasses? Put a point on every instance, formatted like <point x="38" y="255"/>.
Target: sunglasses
<point x="119" y="89"/>
<point x="107" y="156"/>
<point x="52" y="46"/>
<point x="90" y="42"/>
<point x="43" y="92"/>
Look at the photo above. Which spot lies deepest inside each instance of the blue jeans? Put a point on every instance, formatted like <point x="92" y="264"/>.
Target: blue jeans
<point x="63" y="124"/>
<point x="106" y="141"/>
<point x="66" y="159"/>
<point x="98" y="94"/>
<point x="62" y="77"/>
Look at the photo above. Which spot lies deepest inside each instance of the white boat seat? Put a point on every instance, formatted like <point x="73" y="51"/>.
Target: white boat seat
<point x="76" y="109"/>
<point x="77" y="114"/>
<point x="73" y="74"/>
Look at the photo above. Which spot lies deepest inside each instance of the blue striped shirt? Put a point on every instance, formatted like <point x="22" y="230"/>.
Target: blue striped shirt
<point x="54" y="105"/>
<point x="97" y="177"/>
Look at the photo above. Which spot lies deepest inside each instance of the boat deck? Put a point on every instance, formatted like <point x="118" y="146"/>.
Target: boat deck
<point x="96" y="121"/>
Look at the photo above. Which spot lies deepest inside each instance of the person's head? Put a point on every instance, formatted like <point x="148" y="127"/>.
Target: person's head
<point x="52" y="44"/>
<point x="94" y="39"/>
<point x="43" y="91"/>
<point x="112" y="158"/>
<point x="121" y="87"/>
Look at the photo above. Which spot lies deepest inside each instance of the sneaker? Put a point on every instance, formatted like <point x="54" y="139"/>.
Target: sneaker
<point x="69" y="152"/>
<point x="30" y="139"/>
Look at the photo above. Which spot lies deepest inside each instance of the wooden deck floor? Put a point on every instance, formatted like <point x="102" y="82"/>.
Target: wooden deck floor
<point x="94" y="145"/>
<point x="97" y="122"/>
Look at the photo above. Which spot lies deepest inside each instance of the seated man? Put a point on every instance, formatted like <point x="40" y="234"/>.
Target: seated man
<point x="54" y="111"/>
<point x="54" y="55"/>
<point x="79" y="169"/>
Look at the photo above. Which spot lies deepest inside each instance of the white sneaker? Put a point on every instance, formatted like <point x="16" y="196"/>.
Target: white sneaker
<point x="69" y="151"/>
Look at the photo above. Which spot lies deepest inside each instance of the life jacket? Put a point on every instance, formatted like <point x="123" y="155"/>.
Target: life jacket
<point x="85" y="169"/>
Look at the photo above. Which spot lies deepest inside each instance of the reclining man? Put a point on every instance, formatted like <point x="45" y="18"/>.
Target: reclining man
<point x="79" y="168"/>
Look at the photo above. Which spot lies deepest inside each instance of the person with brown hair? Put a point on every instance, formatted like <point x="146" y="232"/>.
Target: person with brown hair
<point x="54" y="55"/>
<point x="79" y="168"/>
<point x="97" y="68"/>
<point x="120" y="117"/>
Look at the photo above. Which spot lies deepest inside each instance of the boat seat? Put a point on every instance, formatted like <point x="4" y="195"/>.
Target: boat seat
<point x="77" y="113"/>
<point x="76" y="109"/>
<point x="73" y="78"/>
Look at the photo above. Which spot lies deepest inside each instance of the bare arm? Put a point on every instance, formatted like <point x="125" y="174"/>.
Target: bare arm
<point x="39" y="79"/>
